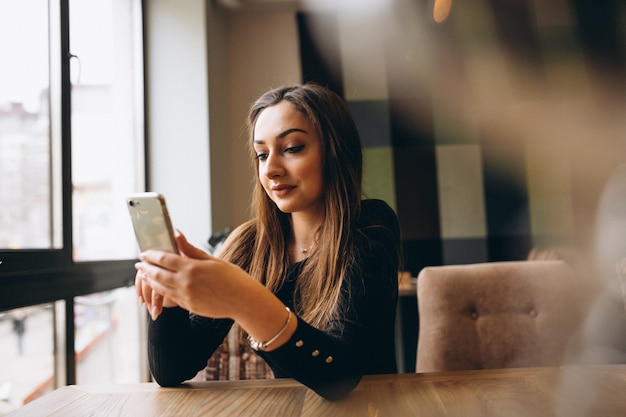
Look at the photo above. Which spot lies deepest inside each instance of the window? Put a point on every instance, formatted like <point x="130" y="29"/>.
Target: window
<point x="107" y="125"/>
<point x="71" y="150"/>
<point x="26" y="346"/>
<point x="29" y="219"/>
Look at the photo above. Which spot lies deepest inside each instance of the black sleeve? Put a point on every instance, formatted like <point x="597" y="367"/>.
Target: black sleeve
<point x="180" y="344"/>
<point x="332" y="362"/>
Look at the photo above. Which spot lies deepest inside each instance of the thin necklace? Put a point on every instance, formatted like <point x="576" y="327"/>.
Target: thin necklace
<point x="305" y="250"/>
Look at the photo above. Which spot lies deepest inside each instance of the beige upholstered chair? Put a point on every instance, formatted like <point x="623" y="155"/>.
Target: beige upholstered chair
<point x="496" y="315"/>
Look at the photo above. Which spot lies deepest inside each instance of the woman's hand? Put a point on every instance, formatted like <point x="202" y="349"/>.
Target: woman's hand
<point x="189" y="250"/>
<point x="153" y="300"/>
<point x="194" y="280"/>
<point x="210" y="287"/>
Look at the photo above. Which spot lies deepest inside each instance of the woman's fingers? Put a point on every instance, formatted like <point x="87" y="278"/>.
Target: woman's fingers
<point x="146" y="293"/>
<point x="156" y="305"/>
<point x="163" y="260"/>
<point x="158" y="287"/>
<point x="138" y="287"/>
<point x="175" y="280"/>
<point x="158" y="278"/>
<point x="188" y="249"/>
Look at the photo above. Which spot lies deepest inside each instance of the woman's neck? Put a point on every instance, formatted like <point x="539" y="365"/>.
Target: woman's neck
<point x="303" y="234"/>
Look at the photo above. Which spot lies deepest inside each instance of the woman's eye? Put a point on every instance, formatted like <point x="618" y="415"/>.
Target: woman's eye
<point x="261" y="156"/>
<point x="294" y="149"/>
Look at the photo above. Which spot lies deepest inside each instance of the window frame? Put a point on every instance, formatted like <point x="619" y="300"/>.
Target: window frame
<point x="33" y="276"/>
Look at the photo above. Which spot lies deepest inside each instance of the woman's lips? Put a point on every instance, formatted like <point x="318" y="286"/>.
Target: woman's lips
<point x="282" y="190"/>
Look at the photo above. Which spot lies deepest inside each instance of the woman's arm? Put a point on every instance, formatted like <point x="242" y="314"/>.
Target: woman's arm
<point x="329" y="362"/>
<point x="180" y="344"/>
<point x="363" y="342"/>
<point x="208" y="287"/>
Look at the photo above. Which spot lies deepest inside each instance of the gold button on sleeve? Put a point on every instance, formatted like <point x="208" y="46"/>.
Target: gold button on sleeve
<point x="315" y="353"/>
<point x="299" y="343"/>
<point x="329" y="359"/>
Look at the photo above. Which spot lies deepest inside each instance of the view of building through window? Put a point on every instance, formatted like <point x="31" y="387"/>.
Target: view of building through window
<point x="107" y="165"/>
<point x="107" y="345"/>
<point x="26" y="349"/>
<point x="107" y="125"/>
<point x="25" y="142"/>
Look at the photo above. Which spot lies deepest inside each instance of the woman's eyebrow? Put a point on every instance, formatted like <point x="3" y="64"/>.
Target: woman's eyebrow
<point x="282" y="135"/>
<point x="292" y="130"/>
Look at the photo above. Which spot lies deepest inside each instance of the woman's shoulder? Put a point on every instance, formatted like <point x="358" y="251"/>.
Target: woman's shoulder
<point x="378" y="237"/>
<point x="376" y="212"/>
<point x="375" y="204"/>
<point x="378" y="222"/>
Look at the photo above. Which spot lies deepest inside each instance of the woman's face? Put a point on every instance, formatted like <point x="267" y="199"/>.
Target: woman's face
<point x="289" y="152"/>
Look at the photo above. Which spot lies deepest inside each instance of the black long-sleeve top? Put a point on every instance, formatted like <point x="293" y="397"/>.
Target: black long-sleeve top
<point x="331" y="362"/>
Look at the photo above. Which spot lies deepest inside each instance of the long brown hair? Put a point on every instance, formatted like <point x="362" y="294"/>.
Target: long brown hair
<point x="260" y="246"/>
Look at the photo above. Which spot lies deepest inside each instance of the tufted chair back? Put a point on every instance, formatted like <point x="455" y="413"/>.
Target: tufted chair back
<point x="496" y="315"/>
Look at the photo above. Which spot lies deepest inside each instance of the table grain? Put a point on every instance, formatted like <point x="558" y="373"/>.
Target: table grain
<point x="568" y="391"/>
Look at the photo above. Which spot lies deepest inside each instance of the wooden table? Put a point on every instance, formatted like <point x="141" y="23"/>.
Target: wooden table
<point x="570" y="391"/>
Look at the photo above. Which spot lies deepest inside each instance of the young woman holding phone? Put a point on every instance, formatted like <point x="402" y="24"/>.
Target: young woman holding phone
<point x="312" y="278"/>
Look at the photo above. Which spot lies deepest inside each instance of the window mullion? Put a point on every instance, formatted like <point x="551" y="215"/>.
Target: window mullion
<point x="66" y="129"/>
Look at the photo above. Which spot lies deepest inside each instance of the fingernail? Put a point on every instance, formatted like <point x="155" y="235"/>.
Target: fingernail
<point x="153" y="313"/>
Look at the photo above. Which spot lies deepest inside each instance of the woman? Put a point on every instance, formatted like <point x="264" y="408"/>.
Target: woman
<point x="311" y="279"/>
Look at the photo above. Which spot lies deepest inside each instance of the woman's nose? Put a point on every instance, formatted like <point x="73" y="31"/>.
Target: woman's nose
<point x="273" y="167"/>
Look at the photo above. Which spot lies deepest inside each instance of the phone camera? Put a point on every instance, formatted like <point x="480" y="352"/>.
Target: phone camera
<point x="132" y="203"/>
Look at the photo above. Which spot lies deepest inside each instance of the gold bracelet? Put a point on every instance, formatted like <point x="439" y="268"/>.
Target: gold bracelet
<point x="256" y="345"/>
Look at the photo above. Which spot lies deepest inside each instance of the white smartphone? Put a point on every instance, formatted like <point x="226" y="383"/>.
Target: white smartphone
<point x="151" y="221"/>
